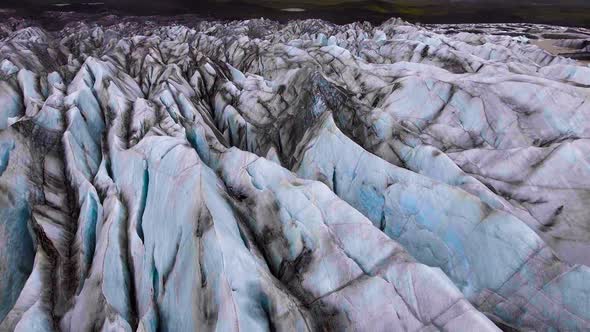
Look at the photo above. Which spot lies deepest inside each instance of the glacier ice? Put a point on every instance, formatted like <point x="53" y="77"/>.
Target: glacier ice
<point x="252" y="175"/>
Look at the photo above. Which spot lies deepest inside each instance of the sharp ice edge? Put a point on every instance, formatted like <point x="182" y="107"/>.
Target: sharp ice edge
<point x="258" y="176"/>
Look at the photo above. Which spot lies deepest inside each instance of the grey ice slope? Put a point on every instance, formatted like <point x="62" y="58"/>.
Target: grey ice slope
<point x="255" y="176"/>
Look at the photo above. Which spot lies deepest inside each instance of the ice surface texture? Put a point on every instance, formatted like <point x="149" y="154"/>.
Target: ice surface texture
<point x="253" y="176"/>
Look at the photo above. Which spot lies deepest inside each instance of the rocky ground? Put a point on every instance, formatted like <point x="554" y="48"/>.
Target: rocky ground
<point x="253" y="175"/>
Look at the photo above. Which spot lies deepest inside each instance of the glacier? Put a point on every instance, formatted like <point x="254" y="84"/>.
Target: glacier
<point x="255" y="175"/>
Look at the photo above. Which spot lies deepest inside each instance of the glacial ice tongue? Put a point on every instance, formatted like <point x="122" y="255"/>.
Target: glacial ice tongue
<point x="259" y="176"/>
